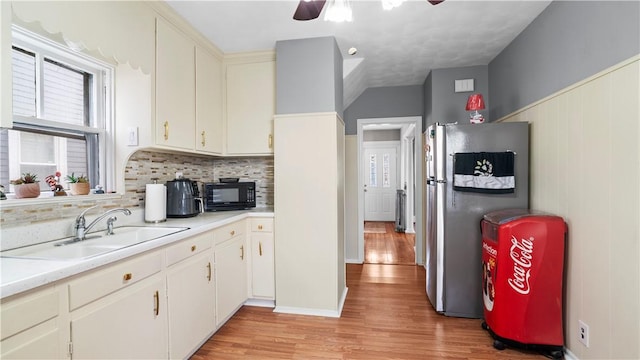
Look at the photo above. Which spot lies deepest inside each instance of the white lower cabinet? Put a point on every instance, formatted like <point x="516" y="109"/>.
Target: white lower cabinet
<point x="120" y="312"/>
<point x="158" y="305"/>
<point x="131" y="324"/>
<point x="231" y="270"/>
<point x="31" y="326"/>
<point x="191" y="295"/>
<point x="262" y="259"/>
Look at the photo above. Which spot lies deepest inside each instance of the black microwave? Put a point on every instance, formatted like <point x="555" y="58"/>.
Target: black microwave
<point x="229" y="196"/>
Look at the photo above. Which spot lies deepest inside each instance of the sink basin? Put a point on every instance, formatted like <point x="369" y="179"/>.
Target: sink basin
<point x="97" y="243"/>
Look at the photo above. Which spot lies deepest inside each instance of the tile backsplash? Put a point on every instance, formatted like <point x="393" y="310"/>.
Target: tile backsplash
<point x="143" y="168"/>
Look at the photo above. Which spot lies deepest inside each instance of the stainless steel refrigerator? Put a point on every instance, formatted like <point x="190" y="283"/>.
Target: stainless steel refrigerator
<point x="453" y="238"/>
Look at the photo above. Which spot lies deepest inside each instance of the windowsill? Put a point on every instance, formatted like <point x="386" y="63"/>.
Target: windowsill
<point x="50" y="199"/>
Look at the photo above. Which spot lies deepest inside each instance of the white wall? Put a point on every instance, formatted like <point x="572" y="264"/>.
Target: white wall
<point x="585" y="166"/>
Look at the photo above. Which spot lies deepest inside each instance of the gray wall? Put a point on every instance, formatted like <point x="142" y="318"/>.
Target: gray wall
<point x="338" y="79"/>
<point x="569" y="41"/>
<point x="447" y="106"/>
<point x="381" y="102"/>
<point x="381" y="135"/>
<point x="428" y="105"/>
<point x="308" y="76"/>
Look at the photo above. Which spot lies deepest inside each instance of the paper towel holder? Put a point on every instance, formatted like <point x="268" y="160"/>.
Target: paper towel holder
<point x="159" y="214"/>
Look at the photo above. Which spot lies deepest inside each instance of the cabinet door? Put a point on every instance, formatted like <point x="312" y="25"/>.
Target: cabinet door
<point x="191" y="292"/>
<point x="231" y="277"/>
<point x="175" y="87"/>
<point x="31" y="327"/>
<point x="262" y="272"/>
<point x="128" y="324"/>
<point x="250" y="107"/>
<point x="209" y="130"/>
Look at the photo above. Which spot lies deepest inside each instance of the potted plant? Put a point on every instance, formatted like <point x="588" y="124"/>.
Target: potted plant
<point x="78" y="185"/>
<point x="26" y="186"/>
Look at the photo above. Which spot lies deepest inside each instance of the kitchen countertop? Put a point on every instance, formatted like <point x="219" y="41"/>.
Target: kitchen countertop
<point x="18" y="275"/>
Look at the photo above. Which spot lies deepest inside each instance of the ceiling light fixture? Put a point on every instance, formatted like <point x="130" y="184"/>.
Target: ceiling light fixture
<point x="338" y="11"/>
<point x="390" y="4"/>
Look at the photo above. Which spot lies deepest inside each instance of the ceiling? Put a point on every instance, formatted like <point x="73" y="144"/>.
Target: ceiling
<point x="396" y="47"/>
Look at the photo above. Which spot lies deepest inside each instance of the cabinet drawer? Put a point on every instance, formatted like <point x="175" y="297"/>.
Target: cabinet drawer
<point x="226" y="232"/>
<point x="28" y="311"/>
<point x="103" y="282"/>
<point x="262" y="225"/>
<point x="189" y="247"/>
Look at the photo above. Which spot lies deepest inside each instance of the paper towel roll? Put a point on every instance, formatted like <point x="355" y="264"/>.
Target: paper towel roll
<point x="155" y="204"/>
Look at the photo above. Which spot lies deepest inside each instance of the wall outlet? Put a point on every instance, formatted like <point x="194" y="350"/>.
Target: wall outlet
<point x="583" y="333"/>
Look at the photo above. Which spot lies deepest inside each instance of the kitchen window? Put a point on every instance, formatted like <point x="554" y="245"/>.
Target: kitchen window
<point x="61" y="114"/>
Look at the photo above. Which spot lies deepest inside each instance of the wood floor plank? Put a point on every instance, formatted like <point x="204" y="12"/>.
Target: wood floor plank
<point x="383" y="245"/>
<point x="386" y="316"/>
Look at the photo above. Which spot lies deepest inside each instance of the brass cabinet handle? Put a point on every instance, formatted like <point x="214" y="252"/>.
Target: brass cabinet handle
<point x="193" y="248"/>
<point x="233" y="232"/>
<point x="270" y="141"/>
<point x="203" y="138"/>
<point x="242" y="252"/>
<point x="156" y="298"/>
<point x="166" y="130"/>
<point x="259" y="227"/>
<point x="127" y="276"/>
<point x="209" y="271"/>
<point x="260" y="247"/>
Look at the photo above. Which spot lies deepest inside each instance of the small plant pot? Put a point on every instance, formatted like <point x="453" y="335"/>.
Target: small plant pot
<point x="79" y="188"/>
<point x="23" y="191"/>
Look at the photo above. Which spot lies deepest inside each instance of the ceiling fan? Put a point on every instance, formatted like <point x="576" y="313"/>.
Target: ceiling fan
<point x="311" y="9"/>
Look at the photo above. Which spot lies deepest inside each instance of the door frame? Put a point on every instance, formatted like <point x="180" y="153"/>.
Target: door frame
<point x="417" y="198"/>
<point x="380" y="145"/>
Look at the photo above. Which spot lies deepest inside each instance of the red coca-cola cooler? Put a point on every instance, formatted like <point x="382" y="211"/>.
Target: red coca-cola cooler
<point x="522" y="263"/>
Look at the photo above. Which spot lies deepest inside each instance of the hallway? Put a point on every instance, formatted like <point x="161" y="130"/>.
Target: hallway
<point x="383" y="245"/>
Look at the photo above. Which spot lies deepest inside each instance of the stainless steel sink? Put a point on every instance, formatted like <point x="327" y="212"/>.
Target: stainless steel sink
<point x="97" y="243"/>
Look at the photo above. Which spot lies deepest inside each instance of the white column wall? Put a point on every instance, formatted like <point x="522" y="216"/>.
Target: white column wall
<point x="309" y="208"/>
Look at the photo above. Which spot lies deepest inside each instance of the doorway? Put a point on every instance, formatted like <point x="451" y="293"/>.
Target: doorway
<point x="371" y="160"/>
<point x="380" y="165"/>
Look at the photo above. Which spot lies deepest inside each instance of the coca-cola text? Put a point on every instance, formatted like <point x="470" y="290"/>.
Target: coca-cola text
<point x="522" y="255"/>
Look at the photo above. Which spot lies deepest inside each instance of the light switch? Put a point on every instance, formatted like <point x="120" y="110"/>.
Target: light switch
<point x="132" y="136"/>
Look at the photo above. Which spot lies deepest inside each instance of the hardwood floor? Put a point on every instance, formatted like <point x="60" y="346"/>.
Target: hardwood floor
<point x="386" y="316"/>
<point x="383" y="245"/>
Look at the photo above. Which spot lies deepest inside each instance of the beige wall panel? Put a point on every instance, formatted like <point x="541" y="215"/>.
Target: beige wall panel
<point x="306" y="181"/>
<point x="585" y="166"/>
<point x="595" y="169"/>
<point x="340" y="210"/>
<point x="625" y="210"/>
<point x="351" y="198"/>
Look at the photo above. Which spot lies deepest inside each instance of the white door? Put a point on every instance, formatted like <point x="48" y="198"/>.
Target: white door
<point x="379" y="183"/>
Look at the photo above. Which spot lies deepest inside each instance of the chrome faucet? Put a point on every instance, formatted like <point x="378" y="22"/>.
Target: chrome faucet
<point x="82" y="230"/>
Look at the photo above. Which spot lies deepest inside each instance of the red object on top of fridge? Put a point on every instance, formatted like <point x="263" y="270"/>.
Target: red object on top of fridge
<point x="523" y="262"/>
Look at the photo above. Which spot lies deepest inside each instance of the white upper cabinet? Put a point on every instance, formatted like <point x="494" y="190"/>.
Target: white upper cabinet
<point x="250" y="100"/>
<point x="209" y="128"/>
<point x="175" y="87"/>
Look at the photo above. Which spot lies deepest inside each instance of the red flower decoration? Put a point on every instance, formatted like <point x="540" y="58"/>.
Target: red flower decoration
<point x="58" y="174"/>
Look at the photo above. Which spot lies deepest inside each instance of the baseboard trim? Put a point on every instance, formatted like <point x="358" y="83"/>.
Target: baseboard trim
<point x="305" y="311"/>
<point x="260" y="303"/>
<point x="314" y="312"/>
<point x="568" y="355"/>
<point x="353" y="261"/>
